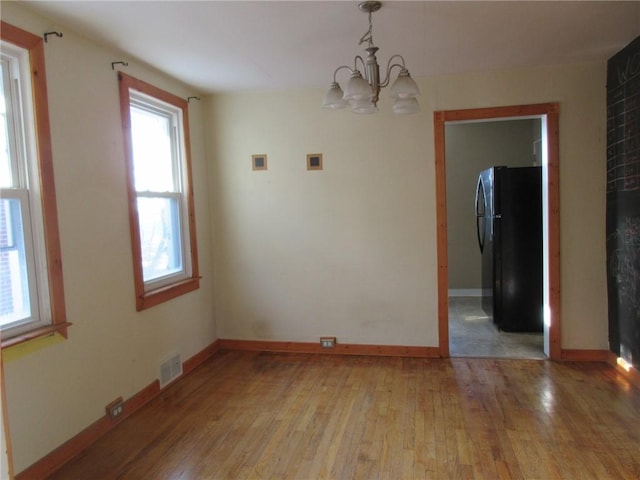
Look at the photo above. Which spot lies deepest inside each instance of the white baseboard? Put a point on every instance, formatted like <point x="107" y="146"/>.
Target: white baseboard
<point x="465" y="292"/>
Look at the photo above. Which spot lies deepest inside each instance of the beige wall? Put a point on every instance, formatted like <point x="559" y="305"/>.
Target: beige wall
<point x="112" y="350"/>
<point x="470" y="148"/>
<point x="349" y="251"/>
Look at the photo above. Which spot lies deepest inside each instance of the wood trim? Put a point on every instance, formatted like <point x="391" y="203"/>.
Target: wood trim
<point x="190" y="196"/>
<point x="152" y="90"/>
<point x="136" y="251"/>
<point x="34" y="44"/>
<point x="60" y="328"/>
<point x="18" y="36"/>
<point x="199" y="358"/>
<point x="633" y="374"/>
<point x="74" y="446"/>
<point x="509" y="111"/>
<point x="584" y="355"/>
<point x="441" y="242"/>
<point x="550" y="112"/>
<point x="339" y="349"/>
<point x="143" y="298"/>
<point x="47" y="184"/>
<point x="161" y="295"/>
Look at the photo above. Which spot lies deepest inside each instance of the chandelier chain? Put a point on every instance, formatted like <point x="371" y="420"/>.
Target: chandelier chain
<point x="368" y="36"/>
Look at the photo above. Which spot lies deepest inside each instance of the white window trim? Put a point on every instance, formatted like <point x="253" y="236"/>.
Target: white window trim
<point x="174" y="114"/>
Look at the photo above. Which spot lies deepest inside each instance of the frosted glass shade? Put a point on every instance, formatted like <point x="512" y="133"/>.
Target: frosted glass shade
<point x="363" y="107"/>
<point x="406" y="105"/>
<point x="404" y="86"/>
<point x="333" y="97"/>
<point x="357" y="88"/>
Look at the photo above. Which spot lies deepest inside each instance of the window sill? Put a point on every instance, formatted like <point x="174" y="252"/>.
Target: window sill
<point x="155" y="297"/>
<point x="60" y="328"/>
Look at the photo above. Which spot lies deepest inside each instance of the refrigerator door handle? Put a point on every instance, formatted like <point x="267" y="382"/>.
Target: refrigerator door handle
<point x="479" y="219"/>
<point x="480" y="213"/>
<point x="477" y="205"/>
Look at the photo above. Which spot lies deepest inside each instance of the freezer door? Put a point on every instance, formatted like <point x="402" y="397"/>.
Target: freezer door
<point x="484" y="225"/>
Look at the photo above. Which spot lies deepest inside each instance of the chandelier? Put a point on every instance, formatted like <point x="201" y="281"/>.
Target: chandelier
<point x="362" y="92"/>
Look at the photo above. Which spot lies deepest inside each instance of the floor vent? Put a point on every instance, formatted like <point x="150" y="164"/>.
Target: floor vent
<point x="170" y="369"/>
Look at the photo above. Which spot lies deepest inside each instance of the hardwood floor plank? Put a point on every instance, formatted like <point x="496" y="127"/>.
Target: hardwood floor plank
<point x="251" y="415"/>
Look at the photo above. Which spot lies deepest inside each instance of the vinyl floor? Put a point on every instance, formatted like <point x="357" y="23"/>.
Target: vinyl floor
<point x="473" y="334"/>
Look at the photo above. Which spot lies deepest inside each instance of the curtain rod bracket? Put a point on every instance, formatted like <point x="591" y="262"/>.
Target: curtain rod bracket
<point x="194" y="98"/>
<point x="47" y="34"/>
<point x="113" y="64"/>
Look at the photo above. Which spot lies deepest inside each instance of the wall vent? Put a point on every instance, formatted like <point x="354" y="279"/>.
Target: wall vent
<point x="170" y="369"/>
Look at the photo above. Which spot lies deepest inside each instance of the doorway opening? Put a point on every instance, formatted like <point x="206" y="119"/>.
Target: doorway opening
<point x="546" y="116"/>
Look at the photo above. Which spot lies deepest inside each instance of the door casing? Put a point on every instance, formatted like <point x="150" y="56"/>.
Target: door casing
<point x="549" y="114"/>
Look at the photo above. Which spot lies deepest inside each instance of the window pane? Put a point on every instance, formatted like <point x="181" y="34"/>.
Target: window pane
<point x="159" y="220"/>
<point x="152" y="151"/>
<point x="14" y="280"/>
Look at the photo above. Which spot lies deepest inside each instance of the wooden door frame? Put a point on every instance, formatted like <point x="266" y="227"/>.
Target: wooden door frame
<point x="550" y="112"/>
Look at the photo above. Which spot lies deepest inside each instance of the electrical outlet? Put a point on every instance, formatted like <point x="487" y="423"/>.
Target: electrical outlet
<point x="327" y="342"/>
<point x="115" y="408"/>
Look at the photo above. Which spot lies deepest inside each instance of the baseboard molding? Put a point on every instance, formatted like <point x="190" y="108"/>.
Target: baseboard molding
<point x="339" y="349"/>
<point x="199" y="358"/>
<point x="465" y="292"/>
<point x="632" y="374"/>
<point x="584" y="355"/>
<point x="68" y="450"/>
<point x="73" y="447"/>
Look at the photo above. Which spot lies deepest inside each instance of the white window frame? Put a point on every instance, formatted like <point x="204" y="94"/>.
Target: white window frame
<point x="24" y="185"/>
<point x="32" y="184"/>
<point x="138" y="94"/>
<point x="154" y="106"/>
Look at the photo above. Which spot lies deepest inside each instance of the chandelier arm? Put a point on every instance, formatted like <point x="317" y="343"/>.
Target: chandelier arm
<point x="387" y="80"/>
<point x="390" y="67"/>
<point x="355" y="64"/>
<point x="340" y="68"/>
<point x="397" y="55"/>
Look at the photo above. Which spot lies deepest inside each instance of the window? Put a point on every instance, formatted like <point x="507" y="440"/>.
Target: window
<point x="31" y="288"/>
<point x="162" y="219"/>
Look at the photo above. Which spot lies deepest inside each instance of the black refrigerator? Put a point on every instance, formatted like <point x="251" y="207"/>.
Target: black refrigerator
<point x="509" y="228"/>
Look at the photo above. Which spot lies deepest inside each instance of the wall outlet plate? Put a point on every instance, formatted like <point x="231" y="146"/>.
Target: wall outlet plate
<point x="115" y="408"/>
<point x="327" y="342"/>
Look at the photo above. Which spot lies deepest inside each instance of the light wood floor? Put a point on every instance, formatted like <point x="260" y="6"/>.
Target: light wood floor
<point x="297" y="416"/>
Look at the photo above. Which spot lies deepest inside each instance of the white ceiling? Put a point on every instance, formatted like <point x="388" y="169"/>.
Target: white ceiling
<point x="238" y="45"/>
